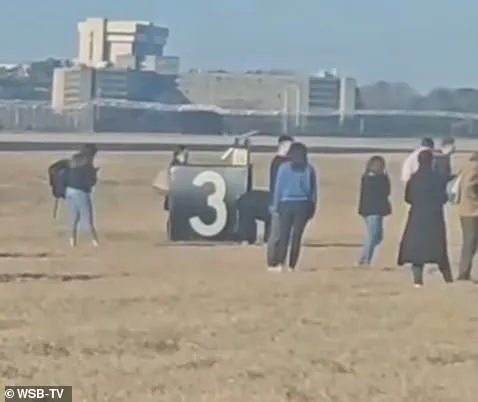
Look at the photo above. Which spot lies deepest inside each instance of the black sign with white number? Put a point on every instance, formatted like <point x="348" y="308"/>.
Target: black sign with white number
<point x="202" y="201"/>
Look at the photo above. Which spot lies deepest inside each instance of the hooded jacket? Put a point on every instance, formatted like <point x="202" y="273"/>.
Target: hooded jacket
<point x="468" y="205"/>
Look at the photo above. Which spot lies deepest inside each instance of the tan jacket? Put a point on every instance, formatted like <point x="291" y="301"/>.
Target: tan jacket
<point x="468" y="205"/>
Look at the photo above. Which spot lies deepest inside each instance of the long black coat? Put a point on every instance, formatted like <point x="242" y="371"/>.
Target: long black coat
<point x="424" y="239"/>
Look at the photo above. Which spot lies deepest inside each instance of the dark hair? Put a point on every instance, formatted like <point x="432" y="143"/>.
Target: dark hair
<point x="80" y="159"/>
<point x="425" y="159"/>
<point x="89" y="149"/>
<point x="179" y="149"/>
<point x="372" y="163"/>
<point x="447" y="141"/>
<point x="428" y="142"/>
<point x="297" y="156"/>
<point x="285" y="138"/>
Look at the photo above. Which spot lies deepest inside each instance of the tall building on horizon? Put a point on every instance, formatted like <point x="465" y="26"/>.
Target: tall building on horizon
<point x="102" y="41"/>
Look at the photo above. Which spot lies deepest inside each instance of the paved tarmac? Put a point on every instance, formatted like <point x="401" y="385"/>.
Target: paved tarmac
<point x="123" y="142"/>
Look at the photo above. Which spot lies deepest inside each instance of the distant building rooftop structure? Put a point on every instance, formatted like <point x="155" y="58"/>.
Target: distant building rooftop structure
<point x="107" y="41"/>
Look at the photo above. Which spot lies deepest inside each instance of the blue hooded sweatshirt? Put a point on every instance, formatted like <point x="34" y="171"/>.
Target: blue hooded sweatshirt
<point x="294" y="185"/>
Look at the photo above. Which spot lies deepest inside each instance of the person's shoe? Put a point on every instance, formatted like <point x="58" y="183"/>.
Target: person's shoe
<point x="72" y="242"/>
<point x="95" y="243"/>
<point x="462" y="278"/>
<point x="277" y="268"/>
<point x="289" y="269"/>
<point x="417" y="285"/>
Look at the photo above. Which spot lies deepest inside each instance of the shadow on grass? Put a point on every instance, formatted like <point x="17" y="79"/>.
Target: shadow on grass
<point x="333" y="245"/>
<point x="9" y="255"/>
<point x="30" y="276"/>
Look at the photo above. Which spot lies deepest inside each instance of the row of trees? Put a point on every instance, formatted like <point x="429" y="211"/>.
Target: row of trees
<point x="385" y="95"/>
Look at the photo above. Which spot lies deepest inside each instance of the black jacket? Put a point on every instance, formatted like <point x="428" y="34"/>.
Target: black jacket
<point x="82" y="177"/>
<point x="275" y="164"/>
<point x="442" y="166"/>
<point x="374" y="195"/>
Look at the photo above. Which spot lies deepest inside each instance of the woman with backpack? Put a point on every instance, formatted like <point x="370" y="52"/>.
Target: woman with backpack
<point x="81" y="178"/>
<point x="294" y="199"/>
<point x="468" y="212"/>
<point x="374" y="205"/>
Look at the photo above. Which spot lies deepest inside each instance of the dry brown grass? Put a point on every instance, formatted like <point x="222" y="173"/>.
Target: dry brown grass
<point x="141" y="320"/>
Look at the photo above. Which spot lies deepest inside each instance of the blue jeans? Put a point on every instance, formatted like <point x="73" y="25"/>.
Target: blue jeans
<point x="374" y="236"/>
<point x="80" y="209"/>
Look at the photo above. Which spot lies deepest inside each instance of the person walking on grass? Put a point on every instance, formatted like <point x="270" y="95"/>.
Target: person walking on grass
<point x="374" y="205"/>
<point x="283" y="147"/>
<point x="81" y="178"/>
<point x="442" y="163"/>
<point x="424" y="239"/>
<point x="294" y="201"/>
<point x="468" y="212"/>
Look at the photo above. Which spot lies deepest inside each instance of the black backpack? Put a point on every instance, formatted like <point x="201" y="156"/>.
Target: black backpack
<point x="58" y="177"/>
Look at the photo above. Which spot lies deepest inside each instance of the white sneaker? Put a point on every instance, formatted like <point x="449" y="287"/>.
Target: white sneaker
<point x="417" y="286"/>
<point x="275" y="269"/>
<point x="95" y="243"/>
<point x="289" y="269"/>
<point x="72" y="242"/>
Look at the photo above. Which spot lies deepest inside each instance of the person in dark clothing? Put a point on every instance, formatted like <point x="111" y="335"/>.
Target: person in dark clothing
<point x="468" y="212"/>
<point x="253" y="206"/>
<point x="284" y="145"/>
<point x="442" y="159"/>
<point x="374" y="205"/>
<point x="180" y="157"/>
<point x="424" y="239"/>
<point x="294" y="200"/>
<point x="81" y="178"/>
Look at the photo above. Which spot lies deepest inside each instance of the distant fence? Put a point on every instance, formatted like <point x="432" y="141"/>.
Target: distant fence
<point x="105" y="116"/>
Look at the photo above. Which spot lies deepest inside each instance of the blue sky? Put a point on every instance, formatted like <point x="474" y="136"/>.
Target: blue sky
<point x="426" y="43"/>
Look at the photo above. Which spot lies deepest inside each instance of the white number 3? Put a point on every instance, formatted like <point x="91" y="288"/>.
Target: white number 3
<point x="216" y="200"/>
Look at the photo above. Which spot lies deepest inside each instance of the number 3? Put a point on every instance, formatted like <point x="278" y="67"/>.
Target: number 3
<point x="216" y="200"/>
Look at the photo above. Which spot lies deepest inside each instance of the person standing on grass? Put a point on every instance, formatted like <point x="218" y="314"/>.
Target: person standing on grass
<point x="294" y="201"/>
<point x="410" y="165"/>
<point x="442" y="159"/>
<point x="180" y="157"/>
<point x="424" y="239"/>
<point x="81" y="178"/>
<point x="468" y="212"/>
<point x="283" y="147"/>
<point x="374" y="205"/>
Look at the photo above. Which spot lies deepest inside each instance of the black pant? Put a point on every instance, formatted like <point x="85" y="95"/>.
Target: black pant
<point x="247" y="226"/>
<point x="293" y="217"/>
<point x="253" y="206"/>
<point x="417" y="273"/>
<point x="469" y="228"/>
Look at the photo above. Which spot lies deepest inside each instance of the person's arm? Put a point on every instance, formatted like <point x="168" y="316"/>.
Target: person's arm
<point x="387" y="186"/>
<point x="406" y="169"/>
<point x="409" y="192"/>
<point x="279" y="184"/>
<point x="314" y="192"/>
<point x="314" y="186"/>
